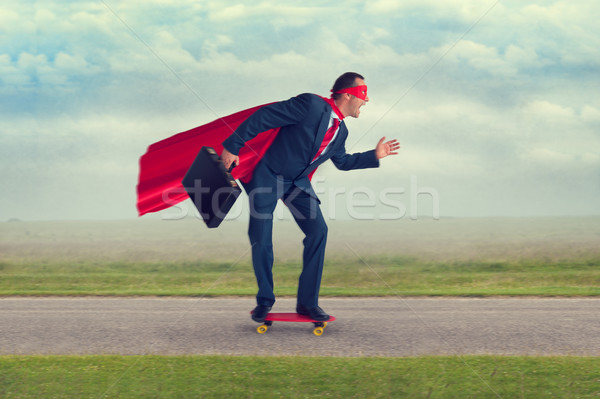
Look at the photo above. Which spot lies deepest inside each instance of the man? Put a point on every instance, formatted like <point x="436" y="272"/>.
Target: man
<point x="311" y="131"/>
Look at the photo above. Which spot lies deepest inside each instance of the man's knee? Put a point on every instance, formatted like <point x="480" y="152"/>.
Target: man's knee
<point x="317" y="230"/>
<point x="260" y="230"/>
<point x="262" y="203"/>
<point x="301" y="205"/>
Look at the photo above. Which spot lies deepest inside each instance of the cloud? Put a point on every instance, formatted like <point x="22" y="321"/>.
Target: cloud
<point x="11" y="74"/>
<point x="479" y="56"/>
<point x="548" y="157"/>
<point x="275" y="12"/>
<point x="591" y="114"/>
<point x="461" y="10"/>
<point x="545" y="110"/>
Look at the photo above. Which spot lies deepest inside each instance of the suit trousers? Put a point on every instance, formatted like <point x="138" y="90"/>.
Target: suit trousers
<point x="264" y="191"/>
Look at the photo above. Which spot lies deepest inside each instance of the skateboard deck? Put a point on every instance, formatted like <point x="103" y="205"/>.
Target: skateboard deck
<point x="293" y="317"/>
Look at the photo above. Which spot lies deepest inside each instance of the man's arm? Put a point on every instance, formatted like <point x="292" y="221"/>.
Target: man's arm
<point x="270" y="116"/>
<point x="359" y="160"/>
<point x="368" y="159"/>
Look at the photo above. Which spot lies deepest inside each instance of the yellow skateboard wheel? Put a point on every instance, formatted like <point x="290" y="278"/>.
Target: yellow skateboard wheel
<point x="318" y="331"/>
<point x="262" y="329"/>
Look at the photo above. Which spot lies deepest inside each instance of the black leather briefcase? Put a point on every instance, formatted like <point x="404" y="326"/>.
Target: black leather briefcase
<point x="211" y="187"/>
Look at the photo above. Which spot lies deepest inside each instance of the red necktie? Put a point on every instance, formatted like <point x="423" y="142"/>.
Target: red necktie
<point x="328" y="136"/>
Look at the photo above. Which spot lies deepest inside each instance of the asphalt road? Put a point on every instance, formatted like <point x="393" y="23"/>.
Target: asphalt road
<point x="364" y="327"/>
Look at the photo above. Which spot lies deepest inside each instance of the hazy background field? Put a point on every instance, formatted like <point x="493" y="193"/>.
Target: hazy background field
<point x="482" y="257"/>
<point x="447" y="239"/>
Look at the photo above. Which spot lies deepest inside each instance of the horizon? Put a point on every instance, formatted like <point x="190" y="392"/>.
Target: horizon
<point x="420" y="218"/>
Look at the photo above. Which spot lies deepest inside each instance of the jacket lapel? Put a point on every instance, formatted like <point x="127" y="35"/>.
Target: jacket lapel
<point x="323" y="123"/>
<point x="340" y="137"/>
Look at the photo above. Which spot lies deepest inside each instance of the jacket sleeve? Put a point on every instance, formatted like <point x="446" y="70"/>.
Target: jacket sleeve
<point x="270" y="116"/>
<point x="360" y="160"/>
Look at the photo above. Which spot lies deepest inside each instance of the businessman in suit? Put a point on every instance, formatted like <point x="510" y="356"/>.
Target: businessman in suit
<point x="311" y="132"/>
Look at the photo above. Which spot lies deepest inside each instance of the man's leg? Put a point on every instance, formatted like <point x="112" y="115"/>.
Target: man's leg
<point x="263" y="196"/>
<point x="309" y="218"/>
<point x="260" y="232"/>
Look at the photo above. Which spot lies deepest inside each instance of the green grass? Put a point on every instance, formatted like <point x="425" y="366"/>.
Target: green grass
<point x="228" y="376"/>
<point x="465" y="257"/>
<point x="547" y="257"/>
<point x="372" y="276"/>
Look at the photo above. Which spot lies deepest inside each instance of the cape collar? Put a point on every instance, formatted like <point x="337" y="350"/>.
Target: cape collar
<point x="334" y="107"/>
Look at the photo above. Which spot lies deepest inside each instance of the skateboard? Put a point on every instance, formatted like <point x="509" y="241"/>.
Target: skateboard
<point x="293" y="317"/>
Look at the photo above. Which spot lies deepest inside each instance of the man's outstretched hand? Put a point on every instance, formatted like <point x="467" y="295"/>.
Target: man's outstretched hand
<point x="228" y="158"/>
<point x="382" y="149"/>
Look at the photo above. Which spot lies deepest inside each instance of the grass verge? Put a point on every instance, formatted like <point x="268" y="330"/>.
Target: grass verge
<point x="373" y="276"/>
<point x="229" y="376"/>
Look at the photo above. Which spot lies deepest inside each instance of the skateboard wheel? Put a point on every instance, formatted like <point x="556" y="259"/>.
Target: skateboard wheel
<point x="262" y="329"/>
<point x="324" y="324"/>
<point x="318" y="331"/>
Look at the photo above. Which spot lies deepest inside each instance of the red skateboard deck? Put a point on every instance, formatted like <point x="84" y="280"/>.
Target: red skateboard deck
<point x="293" y="317"/>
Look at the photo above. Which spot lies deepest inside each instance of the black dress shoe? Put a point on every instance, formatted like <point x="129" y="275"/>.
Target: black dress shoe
<point x="260" y="312"/>
<point x="315" y="313"/>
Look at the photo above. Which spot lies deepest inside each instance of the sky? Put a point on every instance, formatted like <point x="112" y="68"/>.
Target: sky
<point x="496" y="104"/>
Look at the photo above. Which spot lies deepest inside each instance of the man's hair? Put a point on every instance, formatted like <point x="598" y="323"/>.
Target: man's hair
<point x="345" y="81"/>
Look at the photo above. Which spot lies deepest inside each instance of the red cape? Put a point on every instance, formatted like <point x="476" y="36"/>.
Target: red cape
<point x="166" y="162"/>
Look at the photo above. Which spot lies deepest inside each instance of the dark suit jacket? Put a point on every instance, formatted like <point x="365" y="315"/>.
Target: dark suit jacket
<point x="303" y="123"/>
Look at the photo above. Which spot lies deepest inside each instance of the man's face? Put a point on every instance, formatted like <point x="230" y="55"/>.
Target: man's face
<point x="355" y="103"/>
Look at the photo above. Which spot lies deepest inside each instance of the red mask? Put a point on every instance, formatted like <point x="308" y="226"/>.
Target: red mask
<point x="356" y="91"/>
